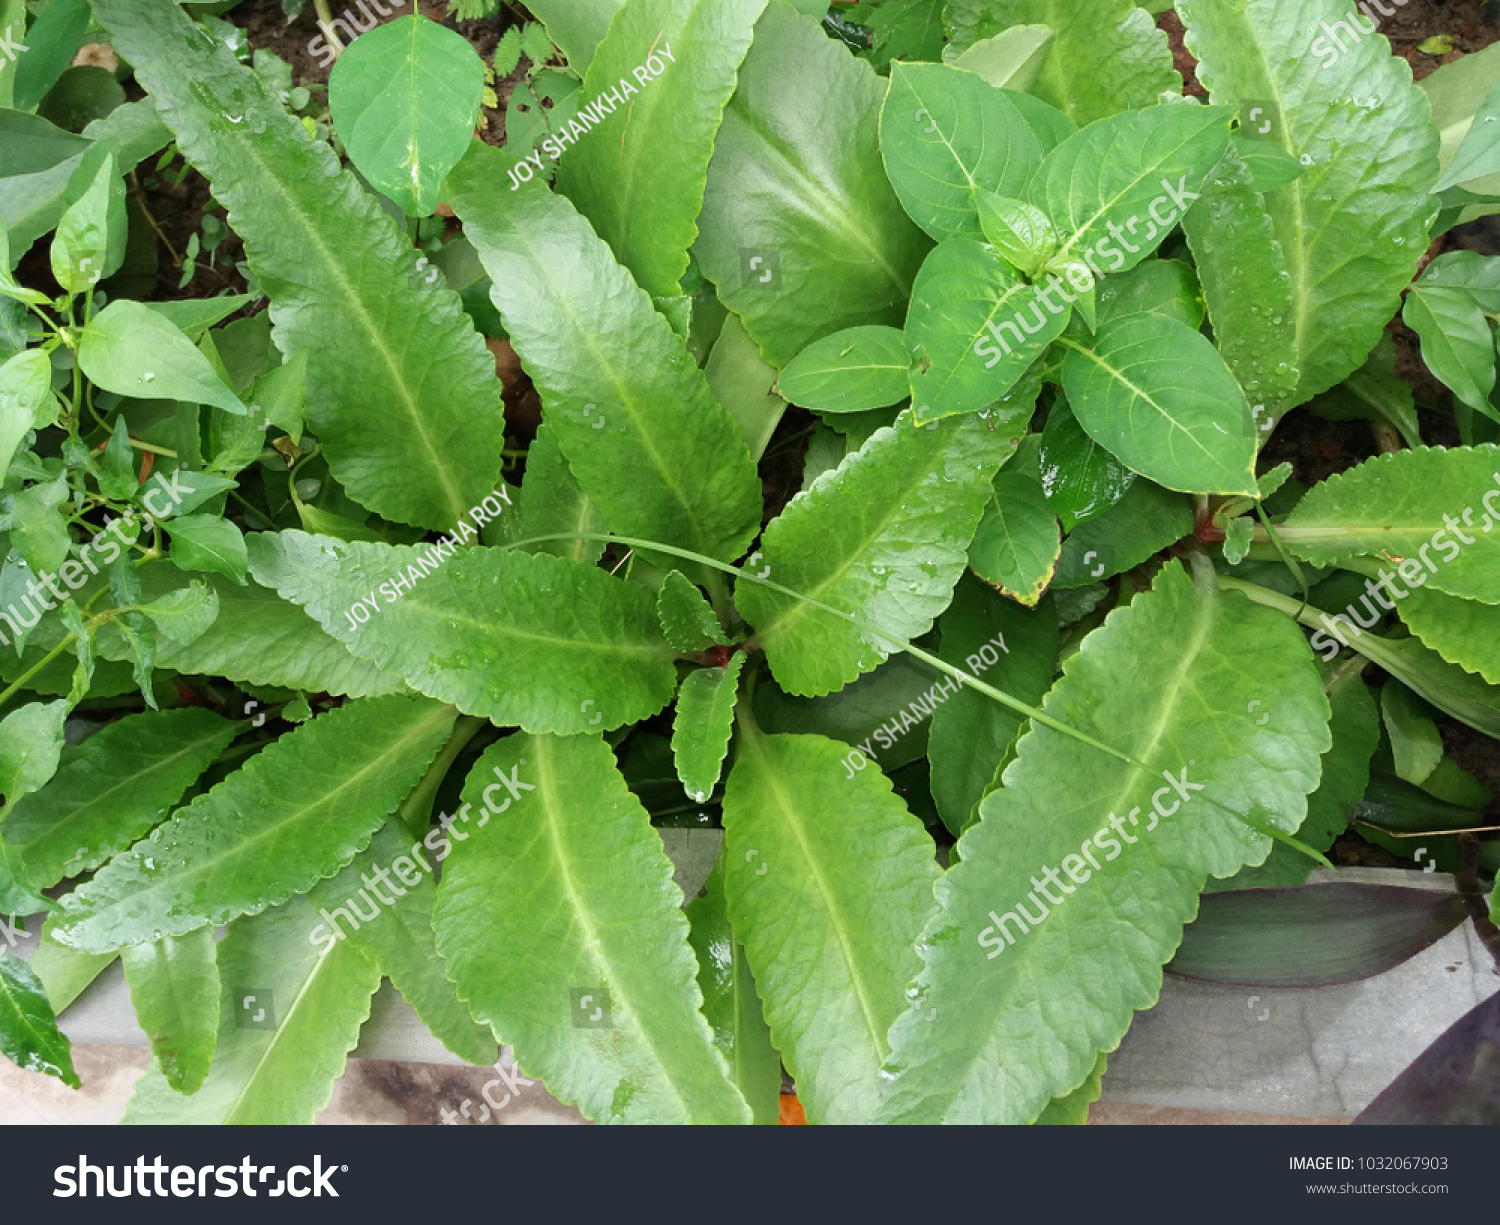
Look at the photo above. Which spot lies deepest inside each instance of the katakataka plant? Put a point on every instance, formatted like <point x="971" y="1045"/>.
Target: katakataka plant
<point x="1010" y="691"/>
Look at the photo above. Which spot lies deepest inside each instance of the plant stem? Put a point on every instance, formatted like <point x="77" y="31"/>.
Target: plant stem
<point x="325" y="23"/>
<point x="418" y="805"/>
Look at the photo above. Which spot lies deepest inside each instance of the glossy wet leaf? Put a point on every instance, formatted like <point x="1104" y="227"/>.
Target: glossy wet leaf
<point x="1017" y="542"/>
<point x="29" y="1036"/>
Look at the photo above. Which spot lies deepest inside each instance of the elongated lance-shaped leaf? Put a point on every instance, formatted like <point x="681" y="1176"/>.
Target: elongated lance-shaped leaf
<point x="705" y="718"/>
<point x="687" y="620"/>
<point x="287" y="1021"/>
<point x="1134" y="174"/>
<point x="399" y="940"/>
<point x="550" y="503"/>
<point x="640" y="179"/>
<point x="1365" y="134"/>
<point x="883" y="536"/>
<point x="174" y="986"/>
<point x="731" y="1003"/>
<point x="801" y="232"/>
<point x="401" y="391"/>
<point x="1024" y="1005"/>
<point x="29" y="1036"/>
<point x="586" y="971"/>
<point x="1106" y="56"/>
<point x="1247" y="286"/>
<point x="970" y="732"/>
<point x="521" y="638"/>
<point x="112" y="788"/>
<point x="829" y="881"/>
<point x="1428" y="506"/>
<point x="620" y="390"/>
<point x="1157" y="394"/>
<point x="294" y="813"/>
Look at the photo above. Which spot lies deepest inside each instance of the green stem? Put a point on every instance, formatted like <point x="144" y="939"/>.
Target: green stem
<point x="416" y="809"/>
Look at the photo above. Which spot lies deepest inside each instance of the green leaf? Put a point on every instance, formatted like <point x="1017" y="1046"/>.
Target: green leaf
<point x="1458" y="344"/>
<point x="25" y="391"/>
<point x="731" y="1004"/>
<point x="53" y="41"/>
<point x="1355" y="728"/>
<point x="482" y="632"/>
<point x="551" y="502"/>
<point x="174" y="986"/>
<point x="1012" y="1034"/>
<point x="349" y="294"/>
<point x="1312" y="935"/>
<point x="1140" y="169"/>
<point x="207" y="542"/>
<point x="1012" y="59"/>
<point x="1374" y="159"/>
<point x="1019" y="231"/>
<point x="1159" y="397"/>
<point x="29" y="1037"/>
<point x="1247" y="284"/>
<point x="1372" y="392"/>
<point x="1072" y="1109"/>
<point x="946" y="133"/>
<point x="1081" y="479"/>
<point x="619" y="389"/>
<point x="1479" y="155"/>
<point x="131" y="350"/>
<point x="31" y="741"/>
<point x="601" y="921"/>
<point x="686" y="618"/>
<point x="1416" y="744"/>
<point x="1457" y="91"/>
<point x="1106" y="55"/>
<point x="184" y="615"/>
<point x="829" y="881"/>
<point x="801" y="232"/>
<point x="1477" y="275"/>
<point x="133" y="131"/>
<point x="63" y="972"/>
<point x="405" y="100"/>
<point x="577" y="26"/>
<point x="971" y="732"/>
<point x="1463" y="632"/>
<point x="117" y="476"/>
<point x="701" y="729"/>
<point x="848" y="372"/>
<point x="400" y="940"/>
<point x="885" y="536"/>
<point x="90" y="239"/>
<point x="743" y="381"/>
<point x="1141" y="524"/>
<point x="46" y="170"/>
<point x="967" y="305"/>
<point x="640" y="180"/>
<point x="1399" y="505"/>
<point x="38" y="532"/>
<point x="294" y="813"/>
<point x="13" y="30"/>
<point x="258" y="638"/>
<point x="1016" y="545"/>
<point x="111" y="789"/>
<point x="281" y="1067"/>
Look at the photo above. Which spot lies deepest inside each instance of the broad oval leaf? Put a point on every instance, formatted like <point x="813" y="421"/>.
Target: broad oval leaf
<point x="132" y="351"/>
<point x="603" y="922"/>
<point x="405" y="98"/>
<point x="849" y="372"/>
<point x="801" y="232"/>
<point x="1158" y="395"/>
<point x="480" y="630"/>
<point x="1013" y="1033"/>
<point x="1016" y="545"/>
<point x="350" y="295"/>
<point x="1082" y="480"/>
<point x="294" y="813"/>
<point x="829" y="881"/>
<point x="884" y="536"/>
<point x="1458" y="344"/>
<point x="945" y="133"/>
